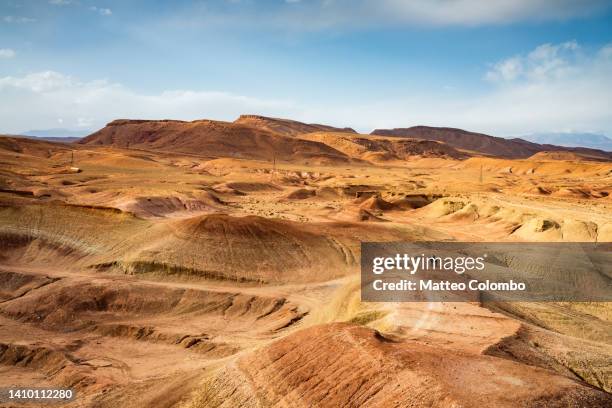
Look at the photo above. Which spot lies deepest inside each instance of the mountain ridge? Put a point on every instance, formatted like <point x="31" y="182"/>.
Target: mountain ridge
<point x="260" y="137"/>
<point x="256" y="141"/>
<point x="516" y="148"/>
<point x="288" y="127"/>
<point x="210" y="138"/>
<point x="572" y="139"/>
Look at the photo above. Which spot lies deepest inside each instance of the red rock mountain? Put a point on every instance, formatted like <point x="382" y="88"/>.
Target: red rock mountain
<point x="211" y="138"/>
<point x="263" y="138"/>
<point x="485" y="144"/>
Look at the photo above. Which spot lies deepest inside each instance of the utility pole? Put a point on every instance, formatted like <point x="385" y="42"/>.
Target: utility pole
<point x="72" y="158"/>
<point x="273" y="166"/>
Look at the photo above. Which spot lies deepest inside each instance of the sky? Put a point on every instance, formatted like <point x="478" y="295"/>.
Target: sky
<point x="502" y="67"/>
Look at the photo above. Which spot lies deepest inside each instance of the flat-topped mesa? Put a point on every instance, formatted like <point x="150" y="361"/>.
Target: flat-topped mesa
<point x="250" y="116"/>
<point x="287" y="127"/>
<point x="120" y="122"/>
<point x="485" y="144"/>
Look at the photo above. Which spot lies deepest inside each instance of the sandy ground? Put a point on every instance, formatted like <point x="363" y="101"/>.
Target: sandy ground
<point x="159" y="279"/>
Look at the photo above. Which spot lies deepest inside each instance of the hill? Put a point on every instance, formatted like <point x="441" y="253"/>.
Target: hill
<point x="378" y="148"/>
<point x="54" y="139"/>
<point x="287" y="127"/>
<point x="57" y="135"/>
<point x="346" y="365"/>
<point x="485" y="144"/>
<point x="31" y="147"/>
<point x="263" y="138"/>
<point x="211" y="139"/>
<point x="558" y="155"/>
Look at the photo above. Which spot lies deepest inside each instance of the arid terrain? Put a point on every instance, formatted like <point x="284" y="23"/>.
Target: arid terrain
<point x="216" y="264"/>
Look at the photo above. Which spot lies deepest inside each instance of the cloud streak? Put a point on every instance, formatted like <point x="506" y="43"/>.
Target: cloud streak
<point x="476" y="12"/>
<point x="324" y="14"/>
<point x="102" y="11"/>
<point x="6" y="53"/>
<point x="18" y="20"/>
<point x="61" y="2"/>
<point x="50" y="96"/>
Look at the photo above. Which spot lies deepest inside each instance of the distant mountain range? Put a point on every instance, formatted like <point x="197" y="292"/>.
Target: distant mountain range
<point x="479" y="143"/>
<point x="57" y="135"/>
<point x="592" y="140"/>
<point x="260" y="137"/>
<point x="264" y="138"/>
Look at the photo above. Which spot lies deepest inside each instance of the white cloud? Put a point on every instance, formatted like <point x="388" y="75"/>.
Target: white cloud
<point x="50" y="95"/>
<point x="546" y="61"/>
<point x="45" y="81"/>
<point x="18" y="20"/>
<point x="85" y="122"/>
<point x="61" y="2"/>
<point x="473" y="12"/>
<point x="7" y="53"/>
<point x="101" y="11"/>
<point x="606" y="52"/>
<point x="506" y="70"/>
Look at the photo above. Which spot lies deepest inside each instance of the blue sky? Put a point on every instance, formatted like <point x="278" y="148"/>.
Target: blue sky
<point x="505" y="67"/>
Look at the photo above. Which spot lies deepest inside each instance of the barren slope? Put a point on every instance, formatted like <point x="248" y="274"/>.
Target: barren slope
<point x="287" y="127"/>
<point x="210" y="138"/>
<point x="380" y="149"/>
<point x="344" y="365"/>
<point x="485" y="144"/>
